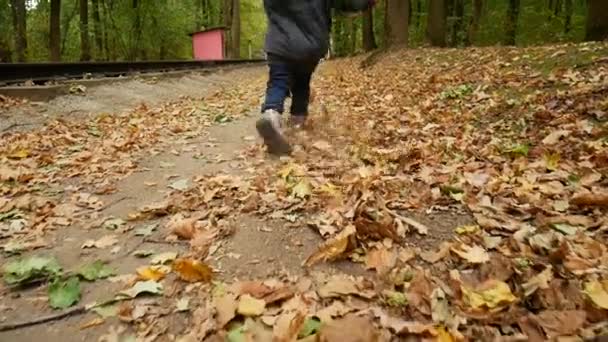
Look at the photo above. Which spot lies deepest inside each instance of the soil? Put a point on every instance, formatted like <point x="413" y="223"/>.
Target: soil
<point x="257" y="249"/>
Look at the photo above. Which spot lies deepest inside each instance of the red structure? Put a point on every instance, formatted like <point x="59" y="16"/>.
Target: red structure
<point x="209" y="44"/>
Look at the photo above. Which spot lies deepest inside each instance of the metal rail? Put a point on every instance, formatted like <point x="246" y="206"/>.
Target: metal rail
<point x="41" y="72"/>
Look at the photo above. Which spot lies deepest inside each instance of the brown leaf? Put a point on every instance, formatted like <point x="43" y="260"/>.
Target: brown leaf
<point x="288" y="326"/>
<point x="377" y="230"/>
<point x="225" y="307"/>
<point x="531" y="329"/>
<point x="336" y="309"/>
<point x="256" y="289"/>
<point x="349" y="329"/>
<point x="249" y="306"/>
<point x="560" y="323"/>
<point x="401" y="326"/>
<point x="381" y="259"/>
<point x="333" y="248"/>
<point x="340" y="285"/>
<point x="432" y="257"/>
<point x="182" y="227"/>
<point x="419" y="293"/>
<point x="280" y="294"/>
<point x="590" y="200"/>
<point x="474" y="255"/>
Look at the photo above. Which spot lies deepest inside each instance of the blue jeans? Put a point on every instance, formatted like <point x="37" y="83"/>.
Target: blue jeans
<point x="289" y="77"/>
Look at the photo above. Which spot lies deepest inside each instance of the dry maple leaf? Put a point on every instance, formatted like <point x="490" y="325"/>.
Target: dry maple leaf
<point x="381" y="259"/>
<point x="333" y="248"/>
<point x="192" y="270"/>
<point x="155" y="273"/>
<point x="475" y="254"/>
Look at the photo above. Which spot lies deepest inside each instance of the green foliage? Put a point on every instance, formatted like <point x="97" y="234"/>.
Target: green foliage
<point x="95" y="270"/>
<point x="64" y="293"/>
<point x="26" y="270"/>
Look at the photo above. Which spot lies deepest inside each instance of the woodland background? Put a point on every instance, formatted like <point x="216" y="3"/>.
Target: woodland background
<point x="71" y="30"/>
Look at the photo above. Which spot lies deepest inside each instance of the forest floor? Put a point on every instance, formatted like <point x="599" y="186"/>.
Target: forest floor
<point x="437" y="194"/>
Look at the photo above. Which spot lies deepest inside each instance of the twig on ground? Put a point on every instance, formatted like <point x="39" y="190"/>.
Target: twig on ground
<point x="113" y="203"/>
<point x="177" y="242"/>
<point x="11" y="126"/>
<point x="44" y="319"/>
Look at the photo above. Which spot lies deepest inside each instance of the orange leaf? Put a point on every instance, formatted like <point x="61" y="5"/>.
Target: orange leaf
<point x="151" y="273"/>
<point x="192" y="270"/>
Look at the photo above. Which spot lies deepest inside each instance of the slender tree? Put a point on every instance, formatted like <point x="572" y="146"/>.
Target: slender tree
<point x="475" y="20"/>
<point x="398" y="14"/>
<point x="369" y="39"/>
<point x="511" y="22"/>
<point x="55" y="31"/>
<point x="97" y="30"/>
<point x="236" y="29"/>
<point x="85" y="46"/>
<point x="597" y="20"/>
<point x="437" y="22"/>
<point x="19" y="14"/>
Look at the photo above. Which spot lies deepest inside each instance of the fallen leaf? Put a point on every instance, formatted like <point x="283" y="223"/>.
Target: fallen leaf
<point x="311" y="326"/>
<point x="338" y="286"/>
<point x="225" y="306"/>
<point x="349" y="329"/>
<point x="113" y="223"/>
<point x="92" y="323"/>
<point x="103" y="242"/>
<point x="539" y="281"/>
<point x="470" y="229"/>
<point x="192" y="270"/>
<point x="95" y="270"/>
<point x="155" y="273"/>
<point x="555" y="136"/>
<point x="394" y="298"/>
<point x="149" y="287"/>
<point x="288" y="325"/>
<point x="249" y="306"/>
<point x="182" y="227"/>
<point x="64" y="293"/>
<point x="336" y="309"/>
<point x="560" y="323"/>
<point x="24" y="270"/>
<point x="182" y="305"/>
<point x="163" y="258"/>
<point x="143" y="253"/>
<point x="380" y="259"/>
<point x="302" y="189"/>
<point x="491" y="294"/>
<point x="475" y="254"/>
<point x="333" y="248"/>
<point x="180" y="185"/>
<point x="598" y="293"/>
<point x="590" y="200"/>
<point x="105" y="311"/>
<point x="432" y="257"/>
<point x="146" y="231"/>
<point x="565" y="228"/>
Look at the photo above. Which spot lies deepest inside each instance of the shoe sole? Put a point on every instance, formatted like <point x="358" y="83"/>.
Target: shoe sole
<point x="275" y="141"/>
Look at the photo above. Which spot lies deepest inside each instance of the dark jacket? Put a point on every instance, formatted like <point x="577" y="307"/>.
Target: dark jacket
<point x="299" y="29"/>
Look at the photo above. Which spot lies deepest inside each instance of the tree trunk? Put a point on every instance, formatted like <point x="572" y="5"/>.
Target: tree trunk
<point x="597" y="20"/>
<point x="369" y="39"/>
<point x="418" y="12"/>
<point x="20" y="26"/>
<point x="437" y="22"/>
<point x="458" y="14"/>
<point x="97" y="30"/>
<point x="568" y="13"/>
<point x="85" y="46"/>
<point x="236" y="29"/>
<point x="398" y="22"/>
<point x="475" y="20"/>
<point x="511" y="22"/>
<point x="106" y="40"/>
<point x="55" y="31"/>
<point x="353" y="35"/>
<point x="227" y="14"/>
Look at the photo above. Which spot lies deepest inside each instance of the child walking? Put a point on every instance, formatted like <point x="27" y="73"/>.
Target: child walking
<point x="296" y="40"/>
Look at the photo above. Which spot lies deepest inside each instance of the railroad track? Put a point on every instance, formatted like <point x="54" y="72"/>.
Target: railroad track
<point x="40" y="73"/>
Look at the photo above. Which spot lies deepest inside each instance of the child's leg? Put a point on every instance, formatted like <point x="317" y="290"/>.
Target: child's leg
<point x="300" y="89"/>
<point x="277" y="87"/>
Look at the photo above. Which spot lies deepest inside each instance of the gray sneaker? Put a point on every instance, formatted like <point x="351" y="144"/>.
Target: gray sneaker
<point x="269" y="128"/>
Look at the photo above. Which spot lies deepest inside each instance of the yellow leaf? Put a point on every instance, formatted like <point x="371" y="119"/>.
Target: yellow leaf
<point x="192" y="270"/>
<point x="472" y="229"/>
<point x="491" y="294"/>
<point x="152" y="272"/>
<point x="20" y="154"/>
<point x="551" y="161"/>
<point x="598" y="293"/>
<point x="443" y="335"/>
<point x="302" y="189"/>
<point x="287" y="171"/>
<point x="249" y="306"/>
<point x="332" y="248"/>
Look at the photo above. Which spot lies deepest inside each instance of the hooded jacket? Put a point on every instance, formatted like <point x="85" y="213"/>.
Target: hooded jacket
<point x="299" y="29"/>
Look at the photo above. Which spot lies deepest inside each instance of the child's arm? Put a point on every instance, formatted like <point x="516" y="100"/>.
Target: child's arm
<point x="352" y="5"/>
